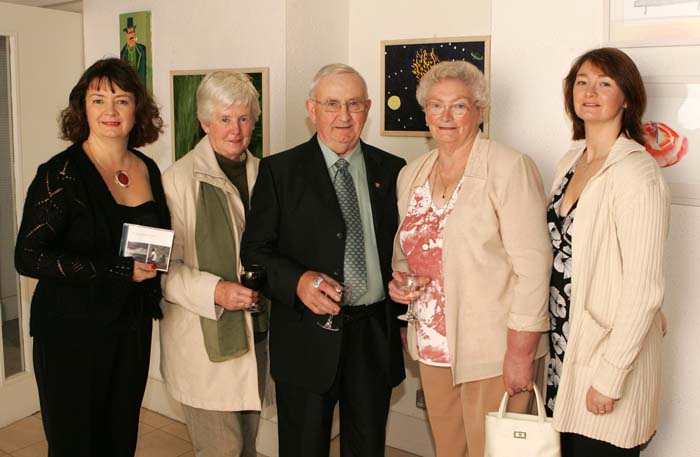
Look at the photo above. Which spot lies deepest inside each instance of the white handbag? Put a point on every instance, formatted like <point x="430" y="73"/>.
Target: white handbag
<point x="520" y="435"/>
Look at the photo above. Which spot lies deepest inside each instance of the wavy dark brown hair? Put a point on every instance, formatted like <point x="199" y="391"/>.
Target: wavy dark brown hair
<point x="113" y="72"/>
<point x="617" y="65"/>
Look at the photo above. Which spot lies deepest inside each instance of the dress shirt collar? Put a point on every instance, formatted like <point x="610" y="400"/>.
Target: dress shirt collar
<point x="354" y="158"/>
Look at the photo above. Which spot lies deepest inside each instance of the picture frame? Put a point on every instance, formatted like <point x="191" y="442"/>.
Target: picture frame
<point x="135" y="44"/>
<point x="675" y="101"/>
<point x="403" y="62"/>
<point x="186" y="130"/>
<point x="651" y="23"/>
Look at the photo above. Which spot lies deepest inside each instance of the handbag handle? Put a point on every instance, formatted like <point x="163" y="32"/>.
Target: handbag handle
<point x="540" y="404"/>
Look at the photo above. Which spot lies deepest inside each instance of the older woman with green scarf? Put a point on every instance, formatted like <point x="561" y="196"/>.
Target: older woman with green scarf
<point x="213" y="352"/>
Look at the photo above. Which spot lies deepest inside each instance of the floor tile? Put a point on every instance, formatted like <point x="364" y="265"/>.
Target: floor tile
<point x="145" y="428"/>
<point x="154" y="419"/>
<point x="393" y="452"/>
<point x="161" y="444"/>
<point x="21" y="434"/>
<point x="178" y="429"/>
<point x="40" y="449"/>
<point x="389" y="451"/>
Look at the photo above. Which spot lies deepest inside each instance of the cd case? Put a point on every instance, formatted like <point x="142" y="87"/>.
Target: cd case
<point x="147" y="244"/>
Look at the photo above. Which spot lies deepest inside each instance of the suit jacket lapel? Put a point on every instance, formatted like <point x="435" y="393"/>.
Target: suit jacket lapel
<point x="376" y="183"/>
<point x="313" y="167"/>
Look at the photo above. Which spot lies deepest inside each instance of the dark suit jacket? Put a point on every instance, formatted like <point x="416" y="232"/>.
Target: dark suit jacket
<point x="295" y="224"/>
<point x="69" y="240"/>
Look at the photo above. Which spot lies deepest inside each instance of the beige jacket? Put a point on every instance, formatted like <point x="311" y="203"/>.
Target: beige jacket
<point x="617" y="286"/>
<point x="496" y="258"/>
<point x="190" y="377"/>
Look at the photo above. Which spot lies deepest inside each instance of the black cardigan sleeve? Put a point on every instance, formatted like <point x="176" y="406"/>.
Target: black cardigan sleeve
<point x="40" y="251"/>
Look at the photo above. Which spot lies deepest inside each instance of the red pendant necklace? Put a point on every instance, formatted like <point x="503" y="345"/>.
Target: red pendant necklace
<point x="121" y="177"/>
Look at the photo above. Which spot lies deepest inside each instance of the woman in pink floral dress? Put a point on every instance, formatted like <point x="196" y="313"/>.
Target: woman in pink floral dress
<point x="474" y="226"/>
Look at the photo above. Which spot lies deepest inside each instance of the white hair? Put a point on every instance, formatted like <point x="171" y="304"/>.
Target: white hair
<point x="226" y="88"/>
<point x="334" y="69"/>
<point x="460" y="70"/>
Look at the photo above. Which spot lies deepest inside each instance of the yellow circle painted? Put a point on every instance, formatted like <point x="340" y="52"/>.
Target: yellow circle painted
<point x="394" y="102"/>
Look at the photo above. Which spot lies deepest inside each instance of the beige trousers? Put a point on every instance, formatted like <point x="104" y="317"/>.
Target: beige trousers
<point x="456" y="413"/>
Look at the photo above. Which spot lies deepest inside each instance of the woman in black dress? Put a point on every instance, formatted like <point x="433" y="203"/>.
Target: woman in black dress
<point x="92" y="310"/>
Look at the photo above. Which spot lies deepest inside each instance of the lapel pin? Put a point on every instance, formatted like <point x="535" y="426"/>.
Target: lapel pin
<point x="377" y="184"/>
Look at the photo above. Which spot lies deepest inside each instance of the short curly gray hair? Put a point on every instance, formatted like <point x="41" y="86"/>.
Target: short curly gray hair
<point x="226" y="88"/>
<point x="334" y="69"/>
<point x="459" y="70"/>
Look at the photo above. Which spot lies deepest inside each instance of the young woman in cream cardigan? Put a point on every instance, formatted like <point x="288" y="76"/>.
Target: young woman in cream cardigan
<point x="608" y="221"/>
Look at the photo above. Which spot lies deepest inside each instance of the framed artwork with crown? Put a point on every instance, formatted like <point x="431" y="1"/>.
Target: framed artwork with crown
<point x="404" y="62"/>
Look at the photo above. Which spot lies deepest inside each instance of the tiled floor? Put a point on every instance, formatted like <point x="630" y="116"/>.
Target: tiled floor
<point x="159" y="436"/>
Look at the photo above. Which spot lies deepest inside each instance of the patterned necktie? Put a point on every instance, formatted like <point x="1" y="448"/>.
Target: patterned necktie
<point x="355" y="267"/>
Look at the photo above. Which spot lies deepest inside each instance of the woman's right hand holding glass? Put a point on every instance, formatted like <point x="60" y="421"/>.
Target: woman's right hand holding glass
<point x="398" y="290"/>
<point x="410" y="287"/>
<point x="234" y="296"/>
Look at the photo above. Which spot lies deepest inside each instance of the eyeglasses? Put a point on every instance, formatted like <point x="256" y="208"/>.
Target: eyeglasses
<point x="457" y="109"/>
<point x="333" y="106"/>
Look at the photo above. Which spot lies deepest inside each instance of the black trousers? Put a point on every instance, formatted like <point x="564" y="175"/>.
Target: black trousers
<point x="305" y="418"/>
<point x="90" y="392"/>
<point x="573" y="445"/>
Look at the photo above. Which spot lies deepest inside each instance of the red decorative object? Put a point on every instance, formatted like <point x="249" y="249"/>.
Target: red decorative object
<point x="121" y="177"/>
<point x="664" y="144"/>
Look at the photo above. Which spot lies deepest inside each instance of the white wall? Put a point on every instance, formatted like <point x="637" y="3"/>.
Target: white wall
<point x="317" y="34"/>
<point x="532" y="50"/>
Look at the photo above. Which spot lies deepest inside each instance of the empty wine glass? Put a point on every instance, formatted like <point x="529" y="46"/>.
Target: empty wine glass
<point x="254" y="277"/>
<point x="345" y="297"/>
<point x="412" y="283"/>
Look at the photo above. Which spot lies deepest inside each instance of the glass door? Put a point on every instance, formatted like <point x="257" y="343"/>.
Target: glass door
<point x="17" y="388"/>
<point x="13" y="361"/>
<point x="41" y="58"/>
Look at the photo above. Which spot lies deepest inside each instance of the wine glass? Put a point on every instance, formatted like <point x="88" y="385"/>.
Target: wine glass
<point x="253" y="277"/>
<point x="345" y="297"/>
<point x="412" y="283"/>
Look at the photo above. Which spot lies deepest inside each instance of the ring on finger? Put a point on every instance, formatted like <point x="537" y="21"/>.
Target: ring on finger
<point x="317" y="282"/>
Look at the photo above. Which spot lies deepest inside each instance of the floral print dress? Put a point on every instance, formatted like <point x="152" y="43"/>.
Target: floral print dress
<point x="559" y="288"/>
<point x="421" y="237"/>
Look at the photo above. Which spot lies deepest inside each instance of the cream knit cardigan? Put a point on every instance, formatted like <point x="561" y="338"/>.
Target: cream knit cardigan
<point x="616" y="326"/>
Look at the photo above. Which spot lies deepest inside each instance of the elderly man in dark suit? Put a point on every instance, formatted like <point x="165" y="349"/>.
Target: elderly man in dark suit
<point x="322" y="220"/>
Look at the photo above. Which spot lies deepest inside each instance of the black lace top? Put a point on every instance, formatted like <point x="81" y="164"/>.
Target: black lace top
<point x="69" y="240"/>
